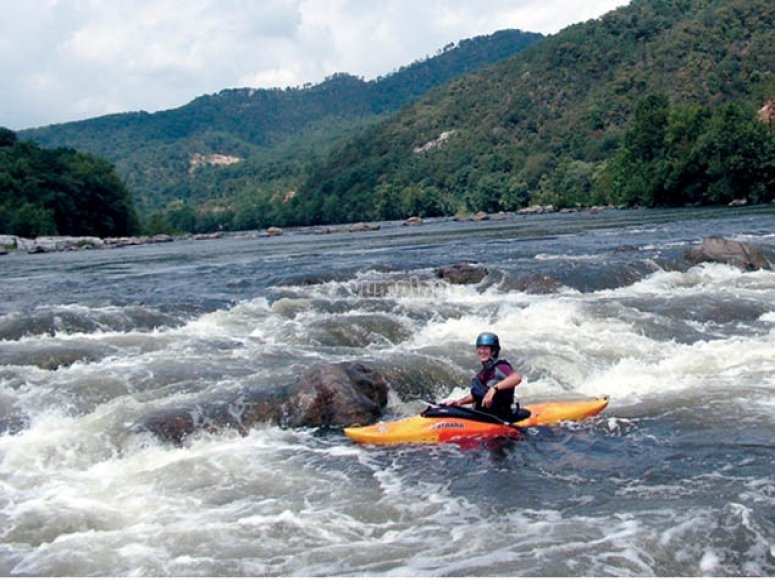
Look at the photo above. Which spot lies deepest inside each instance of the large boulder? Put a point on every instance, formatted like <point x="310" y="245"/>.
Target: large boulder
<point x="338" y="394"/>
<point x="739" y="254"/>
<point x="462" y="273"/>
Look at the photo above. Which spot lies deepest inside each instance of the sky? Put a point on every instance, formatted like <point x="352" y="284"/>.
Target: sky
<point x="68" y="60"/>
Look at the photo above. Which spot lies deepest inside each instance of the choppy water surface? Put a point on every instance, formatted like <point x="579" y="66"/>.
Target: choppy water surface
<point x="675" y="478"/>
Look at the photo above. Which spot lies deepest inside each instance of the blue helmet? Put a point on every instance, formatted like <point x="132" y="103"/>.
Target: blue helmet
<point x="488" y="339"/>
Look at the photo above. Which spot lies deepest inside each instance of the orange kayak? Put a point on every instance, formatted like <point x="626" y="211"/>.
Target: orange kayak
<point x="450" y="424"/>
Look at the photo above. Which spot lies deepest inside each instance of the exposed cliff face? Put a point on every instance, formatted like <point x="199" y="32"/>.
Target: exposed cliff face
<point x="767" y="113"/>
<point x="199" y="159"/>
<point x="438" y="142"/>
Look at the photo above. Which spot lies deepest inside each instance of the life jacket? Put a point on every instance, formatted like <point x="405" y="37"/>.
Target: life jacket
<point x="490" y="374"/>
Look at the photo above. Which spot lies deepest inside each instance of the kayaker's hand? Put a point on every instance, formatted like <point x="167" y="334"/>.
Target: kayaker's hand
<point x="487" y="400"/>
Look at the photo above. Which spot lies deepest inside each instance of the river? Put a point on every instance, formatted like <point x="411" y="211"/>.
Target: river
<point x="675" y="478"/>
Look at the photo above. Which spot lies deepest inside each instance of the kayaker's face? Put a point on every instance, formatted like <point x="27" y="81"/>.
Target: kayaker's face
<point x="484" y="352"/>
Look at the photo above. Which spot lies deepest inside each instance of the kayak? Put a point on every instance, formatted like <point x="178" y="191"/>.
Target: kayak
<point x="441" y="423"/>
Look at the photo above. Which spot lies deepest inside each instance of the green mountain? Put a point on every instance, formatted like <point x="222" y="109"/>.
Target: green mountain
<point x="547" y="125"/>
<point x="261" y="141"/>
<point x="653" y="104"/>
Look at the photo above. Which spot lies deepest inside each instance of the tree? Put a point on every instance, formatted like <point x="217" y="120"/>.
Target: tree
<point x="157" y="224"/>
<point x="570" y="185"/>
<point x="735" y="147"/>
<point x="693" y="155"/>
<point x="32" y="220"/>
<point x="7" y="137"/>
<point x="640" y="161"/>
<point x="61" y="191"/>
<point x="181" y="217"/>
<point x="685" y="177"/>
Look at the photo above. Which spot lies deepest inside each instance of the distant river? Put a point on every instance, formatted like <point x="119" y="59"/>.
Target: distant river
<point x="675" y="478"/>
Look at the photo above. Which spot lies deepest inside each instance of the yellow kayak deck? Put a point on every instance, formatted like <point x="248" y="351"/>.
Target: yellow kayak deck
<point x="431" y="430"/>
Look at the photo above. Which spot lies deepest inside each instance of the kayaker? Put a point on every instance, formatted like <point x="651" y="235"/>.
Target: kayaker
<point x="492" y="389"/>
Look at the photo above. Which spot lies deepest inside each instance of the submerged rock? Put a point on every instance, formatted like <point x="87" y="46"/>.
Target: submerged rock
<point x="539" y="284"/>
<point x="739" y="254"/>
<point x="462" y="273"/>
<point x="239" y="412"/>
<point x="363" y="227"/>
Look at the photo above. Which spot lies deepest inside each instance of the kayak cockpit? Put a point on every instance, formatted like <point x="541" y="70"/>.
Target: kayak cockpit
<point x="449" y="411"/>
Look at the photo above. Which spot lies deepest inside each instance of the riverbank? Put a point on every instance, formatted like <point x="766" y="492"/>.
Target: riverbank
<point x="42" y="244"/>
<point x="45" y="244"/>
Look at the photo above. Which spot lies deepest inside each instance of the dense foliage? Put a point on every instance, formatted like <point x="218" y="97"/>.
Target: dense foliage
<point x="692" y="155"/>
<point x="557" y="123"/>
<point x="60" y="192"/>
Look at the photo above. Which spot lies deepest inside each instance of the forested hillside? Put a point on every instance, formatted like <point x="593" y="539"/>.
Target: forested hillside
<point x="256" y="140"/>
<point x="59" y="191"/>
<point x="653" y="104"/>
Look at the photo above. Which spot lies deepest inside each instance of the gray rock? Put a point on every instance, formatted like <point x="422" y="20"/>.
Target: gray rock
<point x="339" y="394"/>
<point x="239" y="412"/>
<point x="363" y="227"/>
<point x="462" y="273"/>
<point x="539" y="284"/>
<point x="8" y="241"/>
<point x="739" y="254"/>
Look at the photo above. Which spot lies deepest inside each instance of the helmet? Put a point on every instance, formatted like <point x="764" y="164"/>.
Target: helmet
<point x="487" y="339"/>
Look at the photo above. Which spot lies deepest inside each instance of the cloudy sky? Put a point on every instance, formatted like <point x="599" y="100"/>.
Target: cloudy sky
<point x="66" y="60"/>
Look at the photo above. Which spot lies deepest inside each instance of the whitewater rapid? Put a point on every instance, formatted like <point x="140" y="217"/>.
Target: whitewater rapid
<point x="674" y="479"/>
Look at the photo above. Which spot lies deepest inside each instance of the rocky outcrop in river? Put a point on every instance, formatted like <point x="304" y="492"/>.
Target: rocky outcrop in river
<point x="739" y="254"/>
<point x="462" y="273"/>
<point x="339" y="394"/>
<point x="69" y="243"/>
<point x="332" y="395"/>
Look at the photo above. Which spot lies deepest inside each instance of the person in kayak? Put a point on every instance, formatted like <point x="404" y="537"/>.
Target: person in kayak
<point x="492" y="389"/>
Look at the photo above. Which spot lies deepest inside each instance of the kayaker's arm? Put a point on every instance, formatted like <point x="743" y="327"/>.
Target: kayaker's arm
<point x="509" y="382"/>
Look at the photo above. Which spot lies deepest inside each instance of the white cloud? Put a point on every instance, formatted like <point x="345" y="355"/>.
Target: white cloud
<point x="63" y="60"/>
